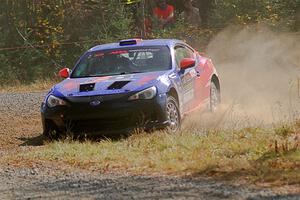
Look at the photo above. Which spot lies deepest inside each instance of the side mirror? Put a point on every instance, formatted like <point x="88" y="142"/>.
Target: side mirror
<point x="64" y="73"/>
<point x="187" y="63"/>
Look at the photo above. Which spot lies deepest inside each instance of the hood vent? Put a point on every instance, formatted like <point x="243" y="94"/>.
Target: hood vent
<point x="87" y="87"/>
<point x="118" y="85"/>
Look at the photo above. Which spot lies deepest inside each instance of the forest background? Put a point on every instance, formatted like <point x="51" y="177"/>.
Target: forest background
<point x="38" y="37"/>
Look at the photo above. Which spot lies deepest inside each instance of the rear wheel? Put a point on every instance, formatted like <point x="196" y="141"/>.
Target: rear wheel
<point x="215" y="98"/>
<point x="173" y="115"/>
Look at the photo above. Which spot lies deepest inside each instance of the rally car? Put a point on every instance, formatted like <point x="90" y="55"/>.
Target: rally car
<point x="118" y="87"/>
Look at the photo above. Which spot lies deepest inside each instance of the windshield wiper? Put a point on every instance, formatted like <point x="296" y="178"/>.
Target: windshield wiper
<point x="123" y="73"/>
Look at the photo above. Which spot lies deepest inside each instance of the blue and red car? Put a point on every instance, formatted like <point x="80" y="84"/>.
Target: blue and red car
<point x="118" y="87"/>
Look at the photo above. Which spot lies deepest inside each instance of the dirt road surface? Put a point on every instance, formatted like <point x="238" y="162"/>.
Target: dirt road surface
<point x="20" y="130"/>
<point x="33" y="184"/>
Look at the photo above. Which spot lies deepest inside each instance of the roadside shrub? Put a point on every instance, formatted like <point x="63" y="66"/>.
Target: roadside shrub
<point x="275" y="13"/>
<point x="61" y="30"/>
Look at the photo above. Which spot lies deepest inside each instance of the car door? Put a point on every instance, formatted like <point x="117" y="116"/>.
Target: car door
<point x="202" y="83"/>
<point x="187" y="76"/>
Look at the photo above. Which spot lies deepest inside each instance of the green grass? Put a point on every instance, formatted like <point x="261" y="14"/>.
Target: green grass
<point x="249" y="153"/>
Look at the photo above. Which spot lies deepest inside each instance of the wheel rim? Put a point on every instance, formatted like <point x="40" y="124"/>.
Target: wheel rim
<point x="214" y="98"/>
<point x="173" y="116"/>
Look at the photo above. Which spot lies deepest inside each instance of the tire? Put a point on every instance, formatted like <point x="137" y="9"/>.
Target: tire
<point x="51" y="132"/>
<point x="215" y="98"/>
<point x="173" y="115"/>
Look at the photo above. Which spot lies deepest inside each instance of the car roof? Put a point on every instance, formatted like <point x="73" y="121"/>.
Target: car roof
<point x="141" y="43"/>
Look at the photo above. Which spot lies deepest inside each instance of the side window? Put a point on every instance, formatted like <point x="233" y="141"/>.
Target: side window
<point x="181" y="53"/>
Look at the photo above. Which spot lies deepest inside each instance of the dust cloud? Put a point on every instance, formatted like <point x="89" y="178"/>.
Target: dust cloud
<point x="259" y="71"/>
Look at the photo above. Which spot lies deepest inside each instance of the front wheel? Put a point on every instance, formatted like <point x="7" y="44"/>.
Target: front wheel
<point x="173" y="115"/>
<point x="215" y="98"/>
<point x="51" y="132"/>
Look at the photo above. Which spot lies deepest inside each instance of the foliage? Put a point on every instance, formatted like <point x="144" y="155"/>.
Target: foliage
<point x="274" y="13"/>
<point x="61" y="30"/>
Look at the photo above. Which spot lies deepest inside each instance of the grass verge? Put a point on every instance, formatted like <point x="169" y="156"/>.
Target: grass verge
<point x="253" y="154"/>
<point x="38" y="85"/>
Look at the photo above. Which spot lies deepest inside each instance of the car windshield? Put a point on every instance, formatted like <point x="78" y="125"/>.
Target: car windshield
<point x="123" y="61"/>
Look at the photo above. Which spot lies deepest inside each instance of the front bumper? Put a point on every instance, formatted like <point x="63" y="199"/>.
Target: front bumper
<point x="115" y="114"/>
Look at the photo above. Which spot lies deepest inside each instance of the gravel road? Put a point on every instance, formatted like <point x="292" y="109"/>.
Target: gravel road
<point x="20" y="122"/>
<point x="39" y="184"/>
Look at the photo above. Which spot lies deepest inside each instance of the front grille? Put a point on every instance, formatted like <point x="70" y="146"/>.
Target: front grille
<point x="136" y="120"/>
<point x="103" y="98"/>
<point x="103" y="126"/>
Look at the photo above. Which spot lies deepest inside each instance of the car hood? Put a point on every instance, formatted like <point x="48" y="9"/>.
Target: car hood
<point x="73" y="87"/>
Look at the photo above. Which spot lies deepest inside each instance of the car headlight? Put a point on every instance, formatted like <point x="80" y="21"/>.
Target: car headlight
<point x="53" y="101"/>
<point x="149" y="93"/>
